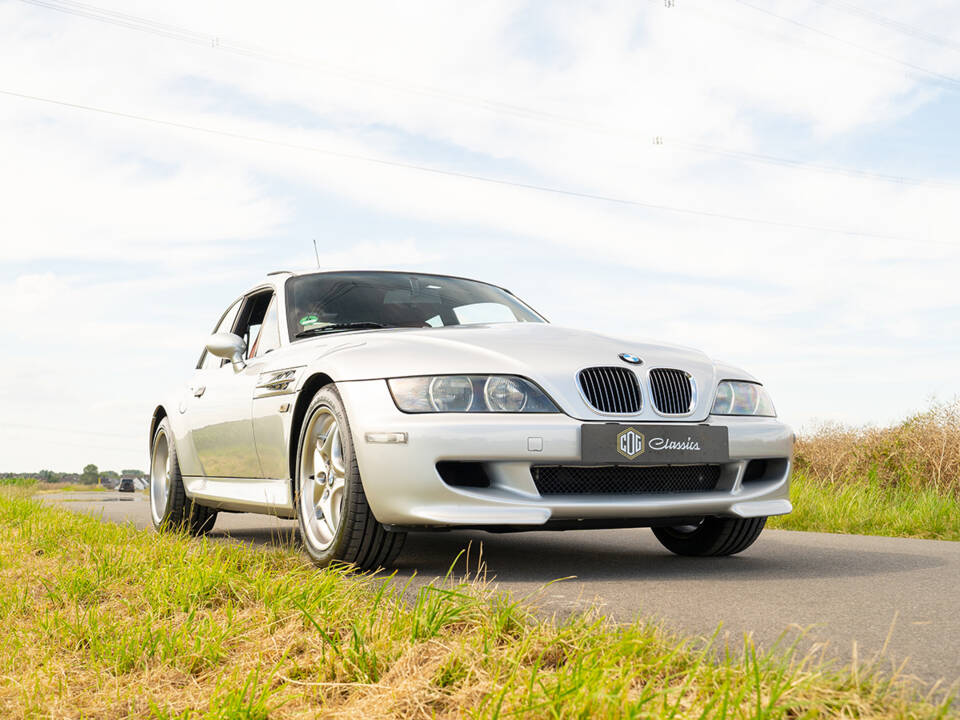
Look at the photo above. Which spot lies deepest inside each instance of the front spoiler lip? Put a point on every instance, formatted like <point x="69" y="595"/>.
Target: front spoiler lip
<point x="459" y="516"/>
<point x="499" y="508"/>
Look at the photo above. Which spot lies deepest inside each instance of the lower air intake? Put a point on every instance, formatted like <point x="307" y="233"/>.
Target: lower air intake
<point x="624" y="479"/>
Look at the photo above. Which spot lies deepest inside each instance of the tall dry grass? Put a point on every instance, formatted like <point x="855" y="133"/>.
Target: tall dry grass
<point x="922" y="452"/>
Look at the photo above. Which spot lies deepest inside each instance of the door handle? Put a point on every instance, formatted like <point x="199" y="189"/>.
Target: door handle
<point x="198" y="392"/>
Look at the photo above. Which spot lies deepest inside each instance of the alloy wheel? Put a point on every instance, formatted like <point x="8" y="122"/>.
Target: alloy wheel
<point x="161" y="472"/>
<point x="323" y="479"/>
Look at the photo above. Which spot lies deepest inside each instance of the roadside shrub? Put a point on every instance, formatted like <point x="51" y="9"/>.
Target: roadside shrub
<point x="923" y="451"/>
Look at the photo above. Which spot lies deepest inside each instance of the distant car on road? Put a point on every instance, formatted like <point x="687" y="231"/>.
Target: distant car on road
<point x="369" y="404"/>
<point x="126" y="485"/>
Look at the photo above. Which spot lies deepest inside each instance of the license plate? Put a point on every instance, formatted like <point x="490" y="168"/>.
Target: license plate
<point x="653" y="444"/>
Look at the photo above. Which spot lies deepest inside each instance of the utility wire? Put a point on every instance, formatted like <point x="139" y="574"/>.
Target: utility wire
<point x="184" y="34"/>
<point x="807" y="165"/>
<point x="898" y="26"/>
<point x="479" y="178"/>
<point x="949" y="79"/>
<point x="216" y="42"/>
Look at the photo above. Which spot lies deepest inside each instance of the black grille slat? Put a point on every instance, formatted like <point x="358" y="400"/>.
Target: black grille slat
<point x="624" y="479"/>
<point x="618" y="402"/>
<point x="613" y="390"/>
<point x="671" y="390"/>
<point x="622" y="392"/>
<point x="608" y="393"/>
<point x="621" y="401"/>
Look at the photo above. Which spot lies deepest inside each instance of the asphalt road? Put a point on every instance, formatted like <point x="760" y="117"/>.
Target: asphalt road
<point x="858" y="595"/>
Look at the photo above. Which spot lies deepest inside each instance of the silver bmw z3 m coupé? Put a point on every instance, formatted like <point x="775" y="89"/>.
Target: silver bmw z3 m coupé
<point x="370" y="404"/>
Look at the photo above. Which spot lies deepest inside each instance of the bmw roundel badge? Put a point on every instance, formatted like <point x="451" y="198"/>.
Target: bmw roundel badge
<point x="630" y="358"/>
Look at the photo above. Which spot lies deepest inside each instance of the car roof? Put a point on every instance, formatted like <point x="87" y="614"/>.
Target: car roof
<point x="302" y="273"/>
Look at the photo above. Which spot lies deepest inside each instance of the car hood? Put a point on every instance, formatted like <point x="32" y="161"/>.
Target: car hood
<point x="548" y="354"/>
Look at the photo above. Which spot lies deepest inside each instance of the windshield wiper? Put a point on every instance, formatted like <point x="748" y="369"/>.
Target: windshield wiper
<point x="340" y="326"/>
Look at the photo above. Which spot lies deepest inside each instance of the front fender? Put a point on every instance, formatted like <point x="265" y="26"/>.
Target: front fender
<point x="186" y="455"/>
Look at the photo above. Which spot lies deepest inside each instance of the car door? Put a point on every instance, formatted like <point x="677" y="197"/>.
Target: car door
<point x="268" y="425"/>
<point x="221" y="401"/>
<point x="186" y="452"/>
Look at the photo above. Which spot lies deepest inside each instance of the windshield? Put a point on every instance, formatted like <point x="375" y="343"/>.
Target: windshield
<point x="330" y="302"/>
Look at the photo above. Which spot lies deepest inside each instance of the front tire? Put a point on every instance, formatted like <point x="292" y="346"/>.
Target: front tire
<point x="170" y="508"/>
<point x="714" y="536"/>
<point x="336" y="523"/>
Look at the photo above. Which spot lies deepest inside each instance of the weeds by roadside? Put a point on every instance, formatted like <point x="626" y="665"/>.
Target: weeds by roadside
<point x="902" y="480"/>
<point x="869" y="507"/>
<point x="17" y="482"/>
<point x="922" y="452"/>
<point x="100" y="620"/>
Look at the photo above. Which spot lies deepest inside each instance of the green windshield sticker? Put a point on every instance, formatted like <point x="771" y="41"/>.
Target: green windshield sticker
<point x="309" y="319"/>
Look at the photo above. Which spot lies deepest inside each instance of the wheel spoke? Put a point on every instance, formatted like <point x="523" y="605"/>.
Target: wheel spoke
<point x="336" y="500"/>
<point x="329" y="521"/>
<point x="331" y="433"/>
<point x="336" y="455"/>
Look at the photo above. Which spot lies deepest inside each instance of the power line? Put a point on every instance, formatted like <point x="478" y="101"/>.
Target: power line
<point x="184" y="34"/>
<point x="479" y="178"/>
<point x="216" y="42"/>
<point x="897" y="25"/>
<point x="749" y="156"/>
<point x="951" y="80"/>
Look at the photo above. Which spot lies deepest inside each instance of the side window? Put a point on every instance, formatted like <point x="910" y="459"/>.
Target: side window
<point x="207" y="360"/>
<point x="269" y="336"/>
<point x="251" y="318"/>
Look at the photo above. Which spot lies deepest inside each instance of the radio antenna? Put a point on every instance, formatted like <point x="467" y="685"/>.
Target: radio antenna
<point x="316" y="252"/>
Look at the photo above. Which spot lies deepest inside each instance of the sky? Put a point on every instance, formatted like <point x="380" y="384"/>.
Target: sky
<point x="774" y="182"/>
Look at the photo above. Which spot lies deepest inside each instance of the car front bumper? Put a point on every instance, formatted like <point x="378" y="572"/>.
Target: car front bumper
<point x="405" y="489"/>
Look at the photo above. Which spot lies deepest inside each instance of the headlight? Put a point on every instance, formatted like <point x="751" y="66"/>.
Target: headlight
<point x="469" y="393"/>
<point x="453" y="393"/>
<point x="737" y="397"/>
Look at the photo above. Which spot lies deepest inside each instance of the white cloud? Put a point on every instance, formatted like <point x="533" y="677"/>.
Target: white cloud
<point x="122" y="241"/>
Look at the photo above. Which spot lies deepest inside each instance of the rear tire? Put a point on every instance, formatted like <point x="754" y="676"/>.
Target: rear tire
<point x="170" y="508"/>
<point x="712" y="537"/>
<point x="335" y="520"/>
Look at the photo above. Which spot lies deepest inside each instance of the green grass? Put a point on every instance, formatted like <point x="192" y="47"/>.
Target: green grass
<point x="101" y="620"/>
<point x="872" y="507"/>
<point x="18" y="482"/>
<point x="37" y="486"/>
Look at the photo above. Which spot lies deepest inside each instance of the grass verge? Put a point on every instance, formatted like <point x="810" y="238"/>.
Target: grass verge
<point x="871" y="507"/>
<point x="902" y="480"/>
<point x="101" y="620"/>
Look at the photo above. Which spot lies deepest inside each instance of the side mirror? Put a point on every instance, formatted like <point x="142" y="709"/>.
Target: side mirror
<point x="229" y="346"/>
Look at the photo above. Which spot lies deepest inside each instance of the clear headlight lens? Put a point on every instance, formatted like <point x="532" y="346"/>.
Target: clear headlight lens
<point x="469" y="393"/>
<point x="453" y="393"/>
<point x="738" y="397"/>
<point x="505" y="394"/>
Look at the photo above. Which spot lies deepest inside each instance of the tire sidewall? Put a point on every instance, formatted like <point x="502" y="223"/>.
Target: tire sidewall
<point x="713" y="537"/>
<point x="689" y="543"/>
<point x="328" y="397"/>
